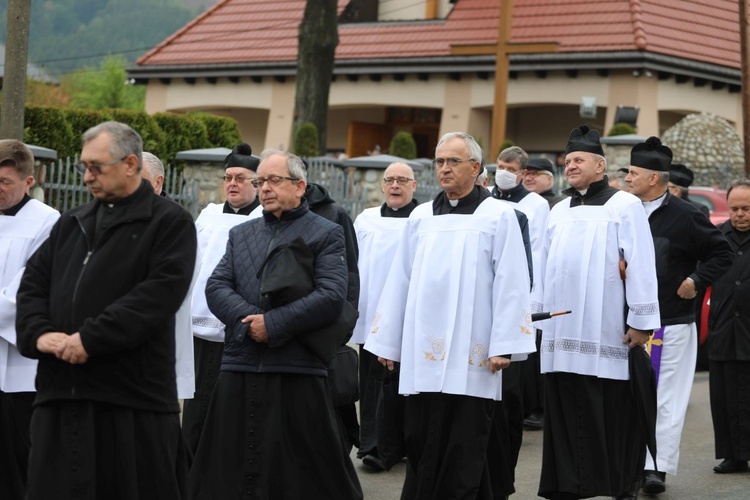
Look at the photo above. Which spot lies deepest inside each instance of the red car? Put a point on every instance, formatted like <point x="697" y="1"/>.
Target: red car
<point x="713" y="198"/>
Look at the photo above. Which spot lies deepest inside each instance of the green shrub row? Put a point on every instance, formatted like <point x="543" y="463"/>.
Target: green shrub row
<point x="164" y="134"/>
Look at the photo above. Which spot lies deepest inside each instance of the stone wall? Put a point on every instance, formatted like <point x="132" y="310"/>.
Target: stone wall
<point x="709" y="146"/>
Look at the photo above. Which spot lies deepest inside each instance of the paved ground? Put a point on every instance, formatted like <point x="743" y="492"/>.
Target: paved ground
<point x="695" y="480"/>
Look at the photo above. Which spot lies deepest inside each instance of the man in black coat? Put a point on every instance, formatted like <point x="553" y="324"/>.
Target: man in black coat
<point x="271" y="430"/>
<point x="729" y="340"/>
<point x="97" y="306"/>
<point x="690" y="254"/>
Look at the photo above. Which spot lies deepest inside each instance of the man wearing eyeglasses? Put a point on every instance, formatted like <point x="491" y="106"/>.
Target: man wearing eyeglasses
<point x="97" y="306"/>
<point x="24" y="224"/>
<point x="453" y="312"/>
<point x="378" y="233"/>
<point x="213" y="225"/>
<point x="271" y="430"/>
<point x="539" y="177"/>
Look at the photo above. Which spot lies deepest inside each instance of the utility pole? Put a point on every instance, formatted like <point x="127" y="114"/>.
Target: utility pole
<point x="14" y="74"/>
<point x="745" y="50"/>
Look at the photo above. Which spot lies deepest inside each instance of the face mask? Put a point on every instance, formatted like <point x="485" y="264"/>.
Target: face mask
<point x="505" y="179"/>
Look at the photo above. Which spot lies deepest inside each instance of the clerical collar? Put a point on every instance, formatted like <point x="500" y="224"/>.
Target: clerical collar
<point x="229" y="209"/>
<point x="652" y="205"/>
<point x="17" y="207"/>
<point x="514" y="194"/>
<point x="466" y="205"/>
<point x="403" y="212"/>
<point x="598" y="193"/>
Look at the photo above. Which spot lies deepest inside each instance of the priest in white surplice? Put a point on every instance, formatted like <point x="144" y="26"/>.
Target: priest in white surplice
<point x="378" y="234"/>
<point x="592" y="440"/>
<point x="213" y="225"/>
<point x="24" y="225"/>
<point x="453" y="310"/>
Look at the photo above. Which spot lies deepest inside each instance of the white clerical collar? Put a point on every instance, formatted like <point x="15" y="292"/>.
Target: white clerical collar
<point x="582" y="192"/>
<point x="652" y="205"/>
<point x="453" y="203"/>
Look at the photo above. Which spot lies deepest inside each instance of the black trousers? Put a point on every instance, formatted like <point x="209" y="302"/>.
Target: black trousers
<point x="15" y="417"/>
<point x="729" y="386"/>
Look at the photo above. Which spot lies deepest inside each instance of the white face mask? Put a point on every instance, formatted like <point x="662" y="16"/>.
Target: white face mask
<point x="505" y="180"/>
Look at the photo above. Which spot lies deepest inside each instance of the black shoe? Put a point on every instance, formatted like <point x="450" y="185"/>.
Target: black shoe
<point x="373" y="462"/>
<point x="534" y="421"/>
<point x="728" y="466"/>
<point x="653" y="482"/>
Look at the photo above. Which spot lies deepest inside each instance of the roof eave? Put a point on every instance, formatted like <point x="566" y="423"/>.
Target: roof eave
<point x="560" y="61"/>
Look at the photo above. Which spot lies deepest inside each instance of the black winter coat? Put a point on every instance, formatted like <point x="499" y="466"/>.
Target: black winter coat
<point x="683" y="238"/>
<point x="233" y="292"/>
<point x="729" y="316"/>
<point x="121" y="293"/>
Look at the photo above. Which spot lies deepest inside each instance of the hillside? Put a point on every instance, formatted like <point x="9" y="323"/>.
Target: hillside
<point x="70" y="35"/>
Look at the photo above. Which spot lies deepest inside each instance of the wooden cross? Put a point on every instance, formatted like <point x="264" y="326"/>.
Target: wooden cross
<point x="502" y="50"/>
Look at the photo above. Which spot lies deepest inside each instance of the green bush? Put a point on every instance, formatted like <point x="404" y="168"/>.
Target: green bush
<point x="403" y="145"/>
<point x="621" y="129"/>
<point x="164" y="134"/>
<point x="48" y="127"/>
<point x="306" y="140"/>
<point x="182" y="132"/>
<point x="223" y="131"/>
<point x="83" y="119"/>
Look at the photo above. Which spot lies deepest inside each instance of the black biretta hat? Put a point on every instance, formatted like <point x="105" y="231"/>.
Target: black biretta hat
<point x="681" y="175"/>
<point x="652" y="155"/>
<point x="584" y="139"/>
<point x="241" y="156"/>
<point x="540" y="164"/>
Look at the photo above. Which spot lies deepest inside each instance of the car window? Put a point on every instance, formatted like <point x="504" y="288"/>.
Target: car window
<point x="703" y="200"/>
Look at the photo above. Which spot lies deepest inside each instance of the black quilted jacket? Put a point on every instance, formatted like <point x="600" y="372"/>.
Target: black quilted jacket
<point x="233" y="292"/>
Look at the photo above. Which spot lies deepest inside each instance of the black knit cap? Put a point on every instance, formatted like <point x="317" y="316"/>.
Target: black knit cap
<point x="241" y="156"/>
<point x="540" y="164"/>
<point x="652" y="155"/>
<point x="681" y="175"/>
<point x="584" y="139"/>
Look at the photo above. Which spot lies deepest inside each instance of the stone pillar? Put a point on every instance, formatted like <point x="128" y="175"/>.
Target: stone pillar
<point x="203" y="179"/>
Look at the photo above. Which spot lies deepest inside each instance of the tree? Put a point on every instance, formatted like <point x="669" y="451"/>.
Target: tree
<point x="106" y="87"/>
<point x="403" y="145"/>
<point x="317" y="41"/>
<point x="14" y="77"/>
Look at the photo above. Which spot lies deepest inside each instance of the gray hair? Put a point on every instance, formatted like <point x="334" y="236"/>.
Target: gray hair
<point x="125" y="140"/>
<point x="739" y="183"/>
<point x="153" y="164"/>
<point x="475" y="150"/>
<point x="294" y="163"/>
<point x="482" y="176"/>
<point x="663" y="178"/>
<point x="514" y="153"/>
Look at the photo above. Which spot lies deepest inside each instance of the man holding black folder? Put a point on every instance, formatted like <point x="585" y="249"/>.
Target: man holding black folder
<point x="270" y="430"/>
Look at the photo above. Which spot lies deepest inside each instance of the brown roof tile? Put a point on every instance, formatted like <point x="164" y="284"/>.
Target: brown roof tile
<point x="246" y="31"/>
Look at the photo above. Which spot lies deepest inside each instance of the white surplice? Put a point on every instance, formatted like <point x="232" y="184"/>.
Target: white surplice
<point x="213" y="232"/>
<point x="377" y="238"/>
<point x="456" y="294"/>
<point x="20" y="236"/>
<point x="583" y="247"/>
<point x="183" y="328"/>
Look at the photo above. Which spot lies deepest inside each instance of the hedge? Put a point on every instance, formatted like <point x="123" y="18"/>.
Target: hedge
<point x="164" y="134"/>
